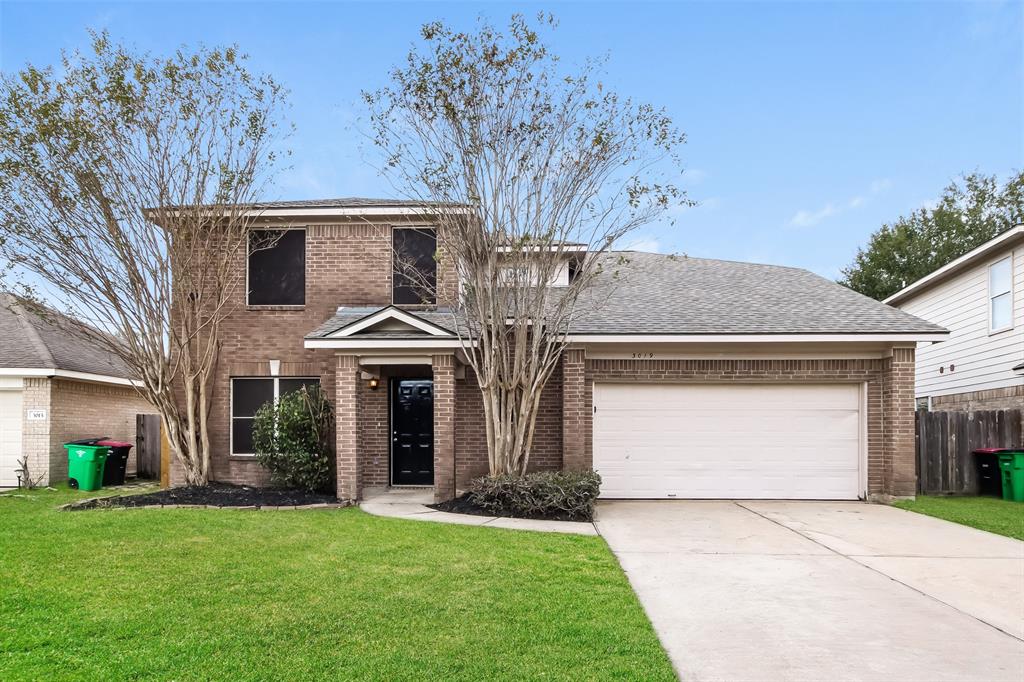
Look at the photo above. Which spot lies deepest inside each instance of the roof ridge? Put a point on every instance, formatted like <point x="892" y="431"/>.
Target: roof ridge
<point x="684" y="256"/>
<point x="30" y="330"/>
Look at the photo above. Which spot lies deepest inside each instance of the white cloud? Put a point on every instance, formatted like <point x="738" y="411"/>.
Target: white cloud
<point x="809" y="218"/>
<point x="804" y="218"/>
<point x="695" y="175"/>
<point x="880" y="185"/>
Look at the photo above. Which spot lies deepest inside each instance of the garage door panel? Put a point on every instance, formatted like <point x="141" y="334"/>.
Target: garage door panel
<point x="713" y="441"/>
<point x="10" y="436"/>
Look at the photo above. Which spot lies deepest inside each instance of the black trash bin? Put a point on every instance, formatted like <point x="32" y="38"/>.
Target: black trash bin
<point x="986" y="461"/>
<point x="117" y="462"/>
<point x="87" y="441"/>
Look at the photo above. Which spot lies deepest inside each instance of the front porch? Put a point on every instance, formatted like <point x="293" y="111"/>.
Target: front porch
<point x="395" y="424"/>
<point x="409" y="411"/>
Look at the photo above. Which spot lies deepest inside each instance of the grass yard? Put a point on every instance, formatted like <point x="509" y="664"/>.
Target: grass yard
<point x="987" y="513"/>
<point x="195" y="594"/>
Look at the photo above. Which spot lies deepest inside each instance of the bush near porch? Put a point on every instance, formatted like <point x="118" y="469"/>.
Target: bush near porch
<point x="197" y="594"/>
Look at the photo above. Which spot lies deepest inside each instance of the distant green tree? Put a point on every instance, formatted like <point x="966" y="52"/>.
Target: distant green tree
<point x="971" y="211"/>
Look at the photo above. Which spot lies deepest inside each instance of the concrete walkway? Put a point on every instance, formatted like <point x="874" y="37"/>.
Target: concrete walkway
<point x="821" y="590"/>
<point x="410" y="503"/>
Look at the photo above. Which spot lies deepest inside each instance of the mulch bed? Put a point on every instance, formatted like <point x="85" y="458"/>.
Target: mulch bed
<point x="462" y="505"/>
<point x="213" y="495"/>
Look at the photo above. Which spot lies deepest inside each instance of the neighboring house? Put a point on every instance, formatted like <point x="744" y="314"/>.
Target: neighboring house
<point x="56" y="387"/>
<point x="979" y="297"/>
<point x="697" y="379"/>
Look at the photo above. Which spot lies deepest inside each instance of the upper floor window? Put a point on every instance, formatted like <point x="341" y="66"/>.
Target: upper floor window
<point x="277" y="267"/>
<point x="1000" y="295"/>
<point x="414" y="266"/>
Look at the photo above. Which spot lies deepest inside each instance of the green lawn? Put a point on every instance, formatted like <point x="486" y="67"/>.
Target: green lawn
<point x="193" y="594"/>
<point x="987" y="513"/>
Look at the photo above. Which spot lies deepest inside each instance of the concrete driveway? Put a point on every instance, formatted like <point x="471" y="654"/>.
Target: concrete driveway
<point x="821" y="590"/>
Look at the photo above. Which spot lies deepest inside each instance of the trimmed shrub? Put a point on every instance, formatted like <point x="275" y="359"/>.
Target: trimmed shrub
<point x="292" y="438"/>
<point x="551" y="494"/>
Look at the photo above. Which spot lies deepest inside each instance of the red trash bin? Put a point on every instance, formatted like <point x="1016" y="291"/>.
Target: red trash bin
<point x="117" y="461"/>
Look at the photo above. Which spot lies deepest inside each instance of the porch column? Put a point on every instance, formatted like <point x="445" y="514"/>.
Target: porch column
<point x="898" y="411"/>
<point x="346" y="413"/>
<point x="444" y="426"/>
<point x="574" y="456"/>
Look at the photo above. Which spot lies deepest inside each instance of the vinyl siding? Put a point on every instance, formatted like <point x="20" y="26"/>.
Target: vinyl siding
<point x="980" y="360"/>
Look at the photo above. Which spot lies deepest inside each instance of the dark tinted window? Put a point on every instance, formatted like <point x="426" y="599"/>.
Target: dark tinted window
<point x="250" y="395"/>
<point x="415" y="266"/>
<point x="277" y="273"/>
<point x="289" y="385"/>
<point x="247" y="396"/>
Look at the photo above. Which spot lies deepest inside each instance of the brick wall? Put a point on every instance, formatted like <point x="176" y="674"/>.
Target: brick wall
<point x="35" y="434"/>
<point x="443" y="367"/>
<point x="890" y="387"/>
<point x="375" y="434"/>
<point x="347" y="264"/>
<point x="1009" y="398"/>
<point x="471" y="437"/>
<point x="75" y="410"/>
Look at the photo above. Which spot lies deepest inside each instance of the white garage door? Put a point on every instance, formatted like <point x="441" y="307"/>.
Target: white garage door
<point x="743" y="441"/>
<point x="10" y="437"/>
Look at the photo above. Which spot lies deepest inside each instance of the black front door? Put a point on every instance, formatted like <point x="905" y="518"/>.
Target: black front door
<point x="412" y="432"/>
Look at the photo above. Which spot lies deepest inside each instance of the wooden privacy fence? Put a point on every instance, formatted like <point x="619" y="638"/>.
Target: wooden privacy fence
<point x="147" y="445"/>
<point x="945" y="441"/>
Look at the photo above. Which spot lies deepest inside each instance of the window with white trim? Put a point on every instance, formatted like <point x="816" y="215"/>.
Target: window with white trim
<point x="249" y="394"/>
<point x="1000" y="295"/>
<point x="277" y="267"/>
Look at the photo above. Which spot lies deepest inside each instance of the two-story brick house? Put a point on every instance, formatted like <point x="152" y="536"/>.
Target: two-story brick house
<point x="697" y="378"/>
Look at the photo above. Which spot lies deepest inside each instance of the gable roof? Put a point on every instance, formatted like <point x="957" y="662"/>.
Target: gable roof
<point x="1006" y="240"/>
<point x="413" y="324"/>
<point x="650" y="294"/>
<point x="657" y="294"/>
<point x="28" y="341"/>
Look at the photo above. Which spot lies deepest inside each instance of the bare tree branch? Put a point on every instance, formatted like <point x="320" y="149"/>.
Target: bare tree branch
<point x="532" y="176"/>
<point x="123" y="185"/>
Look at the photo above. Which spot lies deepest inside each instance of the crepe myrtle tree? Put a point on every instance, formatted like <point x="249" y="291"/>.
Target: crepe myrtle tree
<point x="527" y="171"/>
<point x="122" y="180"/>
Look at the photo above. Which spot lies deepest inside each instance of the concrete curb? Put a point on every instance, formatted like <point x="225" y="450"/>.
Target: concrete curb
<point x="421" y="512"/>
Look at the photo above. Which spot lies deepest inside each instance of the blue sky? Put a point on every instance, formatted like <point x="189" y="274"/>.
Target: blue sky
<point x="809" y="124"/>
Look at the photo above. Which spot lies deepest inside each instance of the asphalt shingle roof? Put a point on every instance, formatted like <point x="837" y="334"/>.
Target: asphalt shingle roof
<point x="30" y="341"/>
<point x="439" y="317"/>
<point x="655" y="294"/>
<point x="650" y="293"/>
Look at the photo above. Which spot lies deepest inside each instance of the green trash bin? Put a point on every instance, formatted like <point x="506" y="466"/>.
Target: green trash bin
<point x="85" y="465"/>
<point x="1011" y="468"/>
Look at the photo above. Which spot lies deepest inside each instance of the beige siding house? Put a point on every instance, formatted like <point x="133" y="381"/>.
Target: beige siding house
<point x="979" y="297"/>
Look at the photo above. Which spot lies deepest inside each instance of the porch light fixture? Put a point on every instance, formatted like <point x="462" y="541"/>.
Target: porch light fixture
<point x="373" y="383"/>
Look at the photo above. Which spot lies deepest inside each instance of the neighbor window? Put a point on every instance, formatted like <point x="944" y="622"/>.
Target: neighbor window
<point x="277" y="267"/>
<point x="1000" y="295"/>
<point x="249" y="395"/>
<point x="414" y="267"/>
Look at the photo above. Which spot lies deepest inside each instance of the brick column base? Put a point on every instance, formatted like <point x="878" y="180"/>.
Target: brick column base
<point x="346" y="414"/>
<point x="444" y="427"/>
<point x="574" y="451"/>
<point x="900" y="478"/>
